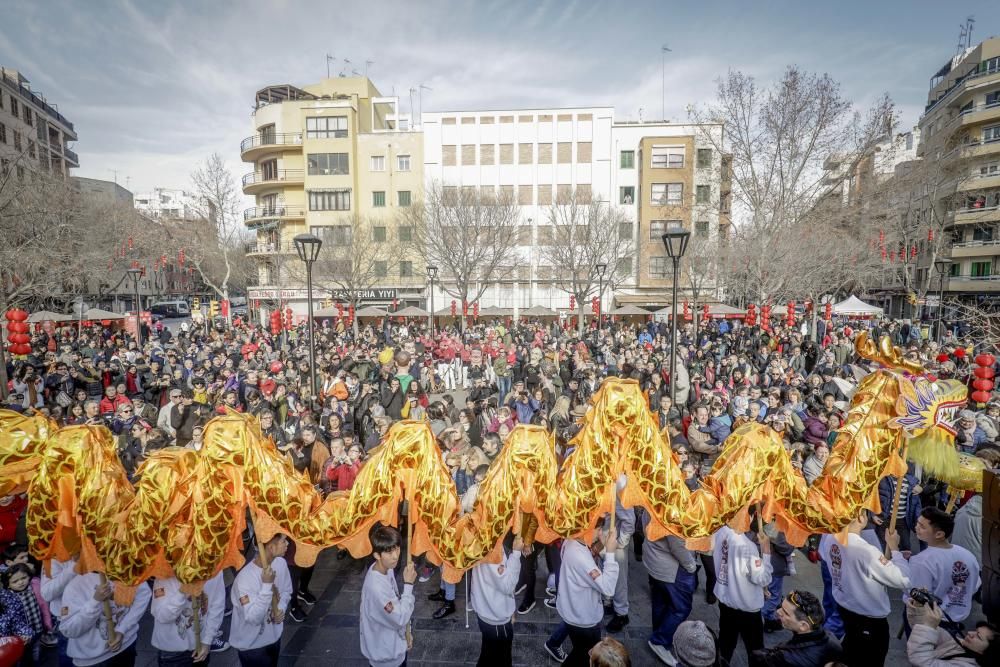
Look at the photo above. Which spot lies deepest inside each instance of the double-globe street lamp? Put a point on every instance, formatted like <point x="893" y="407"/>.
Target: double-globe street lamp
<point x="675" y="242"/>
<point x="307" y="246"/>
<point x="942" y="266"/>
<point x="432" y="272"/>
<point x="135" y="275"/>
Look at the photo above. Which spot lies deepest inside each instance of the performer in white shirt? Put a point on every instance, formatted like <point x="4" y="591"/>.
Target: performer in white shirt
<point x="581" y="587"/>
<point x="82" y="620"/>
<point x="860" y="575"/>
<point x="173" y="620"/>
<point x="55" y="578"/>
<point x="492" y="598"/>
<point x="257" y="620"/>
<point x="384" y="612"/>
<point x="742" y="573"/>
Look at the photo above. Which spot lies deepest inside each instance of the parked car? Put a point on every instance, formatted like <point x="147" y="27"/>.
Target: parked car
<point x="176" y="308"/>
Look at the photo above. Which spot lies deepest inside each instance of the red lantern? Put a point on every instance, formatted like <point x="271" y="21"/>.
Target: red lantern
<point x="913" y="252"/>
<point x="475" y="310"/>
<point x="19" y="338"/>
<point x="985" y="372"/>
<point x="454" y="308"/>
<point x="18" y="327"/>
<point x="930" y="235"/>
<point x="885" y="255"/>
<point x="881" y="237"/>
<point x="828" y="311"/>
<point x="960" y="352"/>
<point x="16" y="315"/>
<point x="595" y="305"/>
<point x="20" y="349"/>
<point x="687" y="311"/>
<point x="130" y="243"/>
<point x="275" y="326"/>
<point x="180" y="257"/>
<point x="705" y="315"/>
<point x="983" y="385"/>
<point x="941" y="358"/>
<point x="572" y="302"/>
<point x="981" y="396"/>
<point x="985" y="359"/>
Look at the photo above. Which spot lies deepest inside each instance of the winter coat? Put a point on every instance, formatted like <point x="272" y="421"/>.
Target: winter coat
<point x="934" y="647"/>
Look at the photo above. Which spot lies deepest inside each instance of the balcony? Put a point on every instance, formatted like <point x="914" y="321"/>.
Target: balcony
<point x="973" y="284"/>
<point x="973" y="78"/>
<point x="973" y="215"/>
<point x="262" y="142"/>
<point x="256" y="181"/>
<point x="257" y="213"/>
<point x="976" y="249"/>
<point x="252" y="249"/>
<point x="71" y="157"/>
<point x="980" y="182"/>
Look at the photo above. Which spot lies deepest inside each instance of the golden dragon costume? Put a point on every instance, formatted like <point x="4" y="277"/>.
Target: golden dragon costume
<point x="186" y="515"/>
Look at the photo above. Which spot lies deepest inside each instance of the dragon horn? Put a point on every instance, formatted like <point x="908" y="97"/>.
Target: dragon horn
<point x="885" y="353"/>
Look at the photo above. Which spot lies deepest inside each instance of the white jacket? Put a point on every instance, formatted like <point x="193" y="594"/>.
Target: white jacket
<point x="52" y="587"/>
<point x="253" y="624"/>
<point x="173" y="617"/>
<point x="741" y="572"/>
<point x="582" y="584"/>
<point x="384" y="615"/>
<point x="81" y="620"/>
<point x="493" y="585"/>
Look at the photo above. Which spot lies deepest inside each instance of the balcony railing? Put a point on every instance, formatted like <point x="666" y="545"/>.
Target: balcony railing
<point x="278" y="176"/>
<point x="16" y="86"/>
<point x="268" y="248"/>
<point x="271" y="139"/>
<point x="71" y="156"/>
<point x="976" y="244"/>
<point x="273" y="212"/>
<point x="973" y="74"/>
<point x="961" y="114"/>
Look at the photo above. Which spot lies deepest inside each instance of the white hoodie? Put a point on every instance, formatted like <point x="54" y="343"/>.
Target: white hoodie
<point x="173" y="626"/>
<point x="582" y="584"/>
<point x="81" y="620"/>
<point x="493" y="585"/>
<point x="253" y="626"/>
<point x="741" y="572"/>
<point x="384" y="615"/>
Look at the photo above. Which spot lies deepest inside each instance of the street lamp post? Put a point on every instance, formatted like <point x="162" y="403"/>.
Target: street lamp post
<point x="675" y="242"/>
<point x="941" y="265"/>
<point x="135" y="274"/>
<point x="431" y="275"/>
<point x="307" y="246"/>
<point x="601" y="270"/>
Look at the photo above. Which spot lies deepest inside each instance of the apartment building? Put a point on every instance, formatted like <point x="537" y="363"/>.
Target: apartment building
<point x="661" y="174"/>
<point x="33" y="134"/>
<point x="326" y="158"/>
<point x="170" y="204"/>
<point x="960" y="135"/>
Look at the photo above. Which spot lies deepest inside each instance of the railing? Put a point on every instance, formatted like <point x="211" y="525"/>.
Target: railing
<point x="35" y="99"/>
<point x="70" y="155"/>
<point x="975" y="244"/>
<point x="268" y="248"/>
<point x="271" y="139"/>
<point x="980" y="107"/>
<point x="256" y="177"/>
<point x="970" y="144"/>
<point x="995" y="276"/>
<point x="973" y="74"/>
<point x="273" y="212"/>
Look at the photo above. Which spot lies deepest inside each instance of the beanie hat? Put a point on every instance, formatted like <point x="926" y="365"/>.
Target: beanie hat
<point x="694" y="644"/>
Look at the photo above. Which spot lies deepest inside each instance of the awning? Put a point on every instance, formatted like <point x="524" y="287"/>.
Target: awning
<point x="852" y="305"/>
<point x="651" y="300"/>
<point x="49" y="316"/>
<point x="496" y="311"/>
<point x="98" y="314"/>
<point x="538" y="311"/>
<point x="411" y="311"/>
<point x="630" y="310"/>
<point x="371" y="311"/>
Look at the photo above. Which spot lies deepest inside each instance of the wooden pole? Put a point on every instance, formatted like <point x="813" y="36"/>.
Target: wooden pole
<point x="953" y="497"/>
<point x="409" y="561"/>
<point x="264" y="564"/>
<point x="196" y="616"/>
<point x="113" y="636"/>
<point x="895" y="502"/>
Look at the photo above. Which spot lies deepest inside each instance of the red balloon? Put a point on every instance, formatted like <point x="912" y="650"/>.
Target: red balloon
<point x="18" y="327"/>
<point x="11" y="650"/>
<point x="984" y="372"/>
<point x="960" y="352"/>
<point x="276" y="367"/>
<point x="986" y="359"/>
<point x="981" y="396"/>
<point x="941" y="358"/>
<point x="984" y="385"/>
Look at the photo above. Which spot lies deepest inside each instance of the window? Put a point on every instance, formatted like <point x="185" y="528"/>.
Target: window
<point x="657" y="228"/>
<point x="13" y="107"/>
<point x="403" y="197"/>
<point x="378" y="234"/>
<point x="268" y="172"/>
<point x="328" y="164"/>
<point x="626" y="194"/>
<point x="403" y="162"/>
<point x="31" y="149"/>
<point x="329" y="200"/>
<point x="544" y="195"/>
<point x="544" y="234"/>
<point x="703" y="194"/>
<point x="564" y="192"/>
<point x="378" y="163"/>
<point x="665" y="194"/>
<point x="909" y="141"/>
<point x="3" y="134"/>
<point x="628" y="159"/>
<point x="448" y="156"/>
<point x="584" y="193"/>
<point x="993" y="98"/>
<point x="378" y="199"/>
<point x="406" y="233"/>
<point x="955" y="270"/>
<point x="336" y="235"/>
<point x="701" y="228"/>
<point x="329" y="127"/>
<point x="506" y="194"/>
<point x="525" y="153"/>
<point x="544" y="153"/>
<point x="487" y="154"/>
<point x="625" y="231"/>
<point x="469" y="154"/>
<point x="624" y="266"/>
<point x="28" y="117"/>
<point x="981" y="269"/>
<point x="584" y="151"/>
<point x="17" y="140"/>
<point x="381" y="269"/>
<point x="667" y="157"/>
<point x="506" y="153"/>
<point x="564" y="152"/>
<point x="658" y="267"/>
<point x="989" y="134"/>
<point x="982" y="234"/>
<point x="524" y="235"/>
<point x="991" y="65"/>
<point x="524" y="196"/>
<point x="405" y="269"/>
<point x="704" y="158"/>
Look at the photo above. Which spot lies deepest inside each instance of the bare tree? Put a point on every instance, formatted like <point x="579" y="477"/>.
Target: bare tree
<point x="983" y="323"/>
<point x="585" y="233"/>
<point x="468" y="234"/>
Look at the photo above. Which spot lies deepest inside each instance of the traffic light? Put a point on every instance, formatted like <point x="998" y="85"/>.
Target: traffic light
<point x="687" y="310"/>
<point x="213" y="308"/>
<point x="572" y="302"/>
<point x="289" y="323"/>
<point x="195" y="304"/>
<point x="275" y="322"/>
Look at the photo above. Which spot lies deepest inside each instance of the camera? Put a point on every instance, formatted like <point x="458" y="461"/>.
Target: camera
<point x="923" y="597"/>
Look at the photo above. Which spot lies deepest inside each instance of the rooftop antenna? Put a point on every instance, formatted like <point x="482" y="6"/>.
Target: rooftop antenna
<point x="367" y="63"/>
<point x="128" y="183"/>
<point x="347" y="64"/>
<point x="412" y="90"/>
<point x="969" y="22"/>
<point x="328" y="59"/>
<point x="421" y="97"/>
<point x="115" y="172"/>
<point x="962" y="31"/>
<point x="640" y="114"/>
<point x="663" y="79"/>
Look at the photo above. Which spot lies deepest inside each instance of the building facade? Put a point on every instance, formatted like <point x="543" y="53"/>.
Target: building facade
<point x="336" y="159"/>
<point x="33" y="134"/>
<point x="960" y="136"/>
<point x="100" y="188"/>
<point x="165" y="203"/>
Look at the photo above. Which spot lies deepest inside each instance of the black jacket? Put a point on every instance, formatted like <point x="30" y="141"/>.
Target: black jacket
<point x="808" y="650"/>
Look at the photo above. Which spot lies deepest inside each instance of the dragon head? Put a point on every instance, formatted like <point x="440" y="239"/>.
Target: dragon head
<point x="925" y="406"/>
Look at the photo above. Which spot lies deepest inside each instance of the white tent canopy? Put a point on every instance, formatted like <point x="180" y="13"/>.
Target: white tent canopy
<point x="852" y="305"/>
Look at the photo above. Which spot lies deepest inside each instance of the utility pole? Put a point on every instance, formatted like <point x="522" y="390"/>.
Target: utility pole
<point x="328" y="59"/>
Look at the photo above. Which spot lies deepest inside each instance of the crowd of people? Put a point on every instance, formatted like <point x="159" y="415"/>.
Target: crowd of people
<point x="472" y="387"/>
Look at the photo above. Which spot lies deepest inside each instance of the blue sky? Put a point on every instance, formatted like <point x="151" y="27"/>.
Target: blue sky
<point x="153" y="87"/>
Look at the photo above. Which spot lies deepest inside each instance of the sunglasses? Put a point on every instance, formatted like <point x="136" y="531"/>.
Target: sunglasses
<point x="126" y="411"/>
<point x="794" y="598"/>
